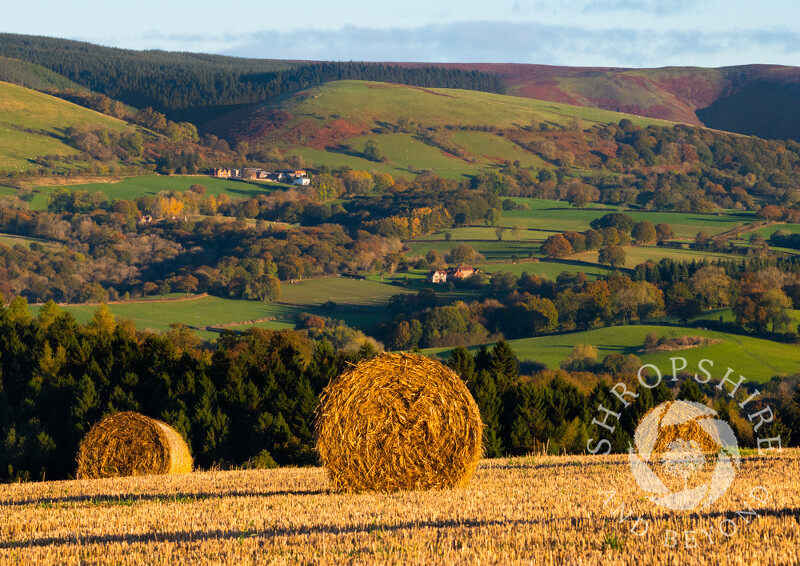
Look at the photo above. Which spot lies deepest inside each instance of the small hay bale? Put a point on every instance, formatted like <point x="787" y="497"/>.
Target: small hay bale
<point x="131" y="444"/>
<point x="398" y="422"/>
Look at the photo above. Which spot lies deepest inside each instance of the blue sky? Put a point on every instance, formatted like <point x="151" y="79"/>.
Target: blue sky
<point x="626" y="33"/>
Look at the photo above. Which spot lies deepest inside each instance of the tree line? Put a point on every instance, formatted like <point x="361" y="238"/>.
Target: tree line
<point x="196" y="88"/>
<point x="249" y="400"/>
<point x="759" y="292"/>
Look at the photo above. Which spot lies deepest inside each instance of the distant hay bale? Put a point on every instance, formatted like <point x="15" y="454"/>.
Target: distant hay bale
<point x="131" y="444"/>
<point x="398" y="422"/>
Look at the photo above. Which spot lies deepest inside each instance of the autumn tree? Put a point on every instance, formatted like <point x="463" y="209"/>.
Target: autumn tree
<point x="556" y="246"/>
<point x="643" y="232"/>
<point x="612" y="255"/>
<point x="712" y="286"/>
<point x="664" y="231"/>
<point x="371" y="151"/>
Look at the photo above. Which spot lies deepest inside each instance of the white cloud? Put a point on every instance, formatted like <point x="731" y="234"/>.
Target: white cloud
<point x="510" y="42"/>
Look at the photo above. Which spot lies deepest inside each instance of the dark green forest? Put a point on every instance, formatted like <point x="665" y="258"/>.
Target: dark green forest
<point x="196" y="88"/>
<point x="249" y="400"/>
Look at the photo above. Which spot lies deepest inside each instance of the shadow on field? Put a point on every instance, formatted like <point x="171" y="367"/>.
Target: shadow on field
<point x="269" y="534"/>
<point x="132" y="499"/>
<point x="237" y="534"/>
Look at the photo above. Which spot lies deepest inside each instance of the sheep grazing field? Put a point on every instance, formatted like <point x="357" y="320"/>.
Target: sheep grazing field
<point x="532" y="510"/>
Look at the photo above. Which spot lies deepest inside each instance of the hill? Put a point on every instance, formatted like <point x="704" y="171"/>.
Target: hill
<point x="198" y="87"/>
<point x="759" y="100"/>
<point x="450" y="131"/>
<point x="33" y="76"/>
<point x="33" y="125"/>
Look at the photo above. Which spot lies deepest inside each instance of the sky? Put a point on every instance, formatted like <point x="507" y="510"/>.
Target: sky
<point x="613" y="33"/>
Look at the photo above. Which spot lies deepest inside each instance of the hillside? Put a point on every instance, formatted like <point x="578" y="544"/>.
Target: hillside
<point x="757" y="100"/>
<point x="449" y="131"/>
<point x="199" y="87"/>
<point x="33" y="124"/>
<point x="33" y="76"/>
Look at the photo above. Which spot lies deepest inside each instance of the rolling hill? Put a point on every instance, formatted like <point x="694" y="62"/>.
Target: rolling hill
<point x="450" y="131"/>
<point x="759" y="100"/>
<point x="33" y="76"/>
<point x="32" y="124"/>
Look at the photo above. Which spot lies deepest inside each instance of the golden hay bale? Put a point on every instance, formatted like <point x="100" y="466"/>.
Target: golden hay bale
<point x="131" y="444"/>
<point x="398" y="421"/>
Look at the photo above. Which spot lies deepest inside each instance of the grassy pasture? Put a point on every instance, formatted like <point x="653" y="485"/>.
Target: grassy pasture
<point x="558" y="215"/>
<point x="491" y="250"/>
<point x="129" y="188"/>
<point x="526" y="510"/>
<point x="488" y="234"/>
<point x="48" y="117"/>
<point x="367" y="104"/>
<point x="205" y="311"/>
<point x="634" y="255"/>
<point x="770" y="230"/>
<point x="545" y="269"/>
<point x="755" y="358"/>
<point x="13" y="239"/>
<point x="360" y="303"/>
<point x="402" y="152"/>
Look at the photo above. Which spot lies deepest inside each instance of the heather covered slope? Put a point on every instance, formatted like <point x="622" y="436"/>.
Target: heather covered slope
<point x="757" y="100"/>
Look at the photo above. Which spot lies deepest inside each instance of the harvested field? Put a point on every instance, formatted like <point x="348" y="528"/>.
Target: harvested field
<point x="533" y="510"/>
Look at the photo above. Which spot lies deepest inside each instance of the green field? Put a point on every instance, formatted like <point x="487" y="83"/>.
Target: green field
<point x="364" y="102"/>
<point x="360" y="303"/>
<point x="634" y="255"/>
<point x="201" y="312"/>
<point x="130" y="188"/>
<point x="491" y="250"/>
<point x="367" y="104"/>
<point x="547" y="217"/>
<point x="401" y="150"/>
<point x="32" y="123"/>
<point x="559" y="216"/>
<point x="757" y="359"/>
<point x="545" y="269"/>
<point x="13" y="239"/>
<point x="486" y="233"/>
<point x="770" y="230"/>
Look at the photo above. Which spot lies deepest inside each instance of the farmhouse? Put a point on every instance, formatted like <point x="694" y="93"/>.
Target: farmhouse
<point x="439" y="276"/>
<point x="294" y="176"/>
<point x="222" y="172"/>
<point x="461" y="272"/>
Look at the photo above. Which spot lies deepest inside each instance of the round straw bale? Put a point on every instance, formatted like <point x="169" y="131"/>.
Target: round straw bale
<point x="397" y="422"/>
<point x="131" y="444"/>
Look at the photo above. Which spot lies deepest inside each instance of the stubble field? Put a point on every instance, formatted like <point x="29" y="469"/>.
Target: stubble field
<point x="532" y="510"/>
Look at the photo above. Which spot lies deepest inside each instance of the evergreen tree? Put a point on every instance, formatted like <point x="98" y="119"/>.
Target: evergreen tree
<point x="489" y="404"/>
<point x="504" y="366"/>
<point x="689" y="391"/>
<point x="462" y="363"/>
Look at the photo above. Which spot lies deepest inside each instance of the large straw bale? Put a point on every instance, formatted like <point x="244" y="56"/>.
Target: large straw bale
<point x="131" y="444"/>
<point x="398" y="422"/>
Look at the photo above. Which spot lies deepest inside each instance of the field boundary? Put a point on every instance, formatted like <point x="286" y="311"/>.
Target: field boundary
<point x="130" y="301"/>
